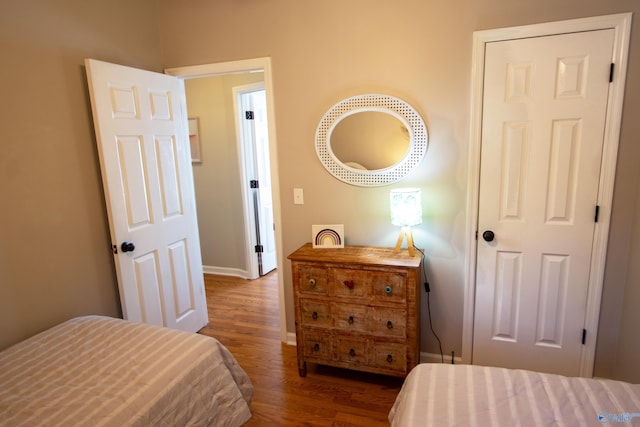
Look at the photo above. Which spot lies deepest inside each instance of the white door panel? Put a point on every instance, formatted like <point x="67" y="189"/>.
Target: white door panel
<point x="265" y="196"/>
<point x="253" y="140"/>
<point x="544" y="116"/>
<point x="146" y="167"/>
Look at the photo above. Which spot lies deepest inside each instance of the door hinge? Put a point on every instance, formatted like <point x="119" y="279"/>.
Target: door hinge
<point x="613" y="66"/>
<point x="254" y="183"/>
<point x="259" y="249"/>
<point x="248" y="115"/>
<point x="597" y="213"/>
<point x="584" y="336"/>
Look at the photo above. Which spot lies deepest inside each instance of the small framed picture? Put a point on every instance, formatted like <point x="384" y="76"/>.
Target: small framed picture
<point x="327" y="236"/>
<point x="194" y="140"/>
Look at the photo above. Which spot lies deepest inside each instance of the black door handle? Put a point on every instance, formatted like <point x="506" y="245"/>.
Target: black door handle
<point x="488" y="236"/>
<point x="127" y="247"/>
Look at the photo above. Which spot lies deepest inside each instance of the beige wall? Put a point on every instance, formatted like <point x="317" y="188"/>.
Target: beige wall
<point x="626" y="358"/>
<point x="218" y="178"/>
<point x="420" y="51"/>
<point x="54" y="244"/>
<point x="55" y="260"/>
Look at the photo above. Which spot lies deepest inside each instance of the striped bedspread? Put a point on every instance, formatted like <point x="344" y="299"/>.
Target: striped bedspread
<point x="100" y="371"/>
<point x="465" y="395"/>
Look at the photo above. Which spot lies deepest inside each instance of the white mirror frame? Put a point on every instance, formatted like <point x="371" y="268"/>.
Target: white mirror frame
<point x="372" y="102"/>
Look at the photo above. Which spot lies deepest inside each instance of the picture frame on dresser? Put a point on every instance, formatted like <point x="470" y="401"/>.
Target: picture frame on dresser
<point x="327" y="236"/>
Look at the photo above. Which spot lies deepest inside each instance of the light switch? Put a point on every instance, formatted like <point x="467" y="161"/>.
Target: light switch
<point x="298" y="198"/>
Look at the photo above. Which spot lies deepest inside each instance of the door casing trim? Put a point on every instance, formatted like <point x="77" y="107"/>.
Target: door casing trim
<point x="621" y="24"/>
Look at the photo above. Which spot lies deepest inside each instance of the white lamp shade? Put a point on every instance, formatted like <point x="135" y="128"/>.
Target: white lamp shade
<point x="406" y="207"/>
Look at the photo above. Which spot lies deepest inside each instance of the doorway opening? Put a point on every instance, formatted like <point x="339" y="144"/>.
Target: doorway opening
<point x="238" y="225"/>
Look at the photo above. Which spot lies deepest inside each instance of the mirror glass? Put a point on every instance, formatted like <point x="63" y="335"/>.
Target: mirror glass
<point x="370" y="140"/>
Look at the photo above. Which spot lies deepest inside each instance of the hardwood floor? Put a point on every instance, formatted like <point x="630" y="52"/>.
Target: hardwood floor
<point x="243" y="315"/>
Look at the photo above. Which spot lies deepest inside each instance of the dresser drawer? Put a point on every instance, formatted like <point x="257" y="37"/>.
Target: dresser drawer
<point x="389" y="287"/>
<point x="389" y="356"/>
<point x="350" y="318"/>
<point x="315" y="313"/>
<point x="316" y="344"/>
<point x="388" y="322"/>
<point x="313" y="279"/>
<point x="350" y="283"/>
<point x="352" y="350"/>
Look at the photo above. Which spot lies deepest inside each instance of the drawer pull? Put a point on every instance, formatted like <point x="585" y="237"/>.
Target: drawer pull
<point x="349" y="284"/>
<point x="314" y="316"/>
<point x="350" y="320"/>
<point x="389" y="324"/>
<point x="388" y="289"/>
<point x="389" y="358"/>
<point x="316" y="348"/>
<point x="312" y="282"/>
<point x="352" y="353"/>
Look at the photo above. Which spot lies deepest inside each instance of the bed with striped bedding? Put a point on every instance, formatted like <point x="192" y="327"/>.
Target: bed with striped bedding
<point x="466" y="395"/>
<point x="101" y="371"/>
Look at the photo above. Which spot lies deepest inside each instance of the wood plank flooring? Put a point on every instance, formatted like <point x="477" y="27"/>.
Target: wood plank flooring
<point x="243" y="315"/>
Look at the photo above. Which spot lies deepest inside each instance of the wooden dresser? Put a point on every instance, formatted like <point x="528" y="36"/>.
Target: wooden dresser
<point x="357" y="307"/>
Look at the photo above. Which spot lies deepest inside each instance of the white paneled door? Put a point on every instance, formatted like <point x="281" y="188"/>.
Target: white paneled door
<point x="254" y="141"/>
<point x="544" y="112"/>
<point x="144" y="152"/>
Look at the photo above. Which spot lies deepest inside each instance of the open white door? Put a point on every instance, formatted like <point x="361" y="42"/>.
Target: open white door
<point x="253" y="140"/>
<point x="143" y="145"/>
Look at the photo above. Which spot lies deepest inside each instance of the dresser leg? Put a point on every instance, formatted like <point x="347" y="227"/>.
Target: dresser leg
<point x="302" y="368"/>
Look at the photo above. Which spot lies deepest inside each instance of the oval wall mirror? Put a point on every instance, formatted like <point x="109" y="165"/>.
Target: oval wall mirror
<point x="371" y="140"/>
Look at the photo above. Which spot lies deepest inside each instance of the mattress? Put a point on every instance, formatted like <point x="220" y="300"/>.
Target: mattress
<point x="101" y="371"/>
<point x="466" y="395"/>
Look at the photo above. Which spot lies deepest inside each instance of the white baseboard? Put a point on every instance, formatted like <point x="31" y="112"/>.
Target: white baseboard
<point x="291" y="338"/>
<point x="224" y="271"/>
<point x="436" y="358"/>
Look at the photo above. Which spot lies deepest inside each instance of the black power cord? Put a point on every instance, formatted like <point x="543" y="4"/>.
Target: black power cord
<point x="427" y="290"/>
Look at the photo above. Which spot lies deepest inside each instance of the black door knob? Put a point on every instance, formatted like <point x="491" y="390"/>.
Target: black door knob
<point x="488" y="236"/>
<point x="127" y="247"/>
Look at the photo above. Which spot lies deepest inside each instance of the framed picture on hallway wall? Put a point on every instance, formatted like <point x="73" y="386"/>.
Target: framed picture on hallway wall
<point x="194" y="140"/>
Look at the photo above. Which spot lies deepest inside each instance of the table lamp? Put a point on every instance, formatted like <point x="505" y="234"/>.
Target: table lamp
<point x="406" y="211"/>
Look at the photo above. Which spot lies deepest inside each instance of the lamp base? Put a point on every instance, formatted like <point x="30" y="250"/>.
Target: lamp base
<point x="406" y="231"/>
